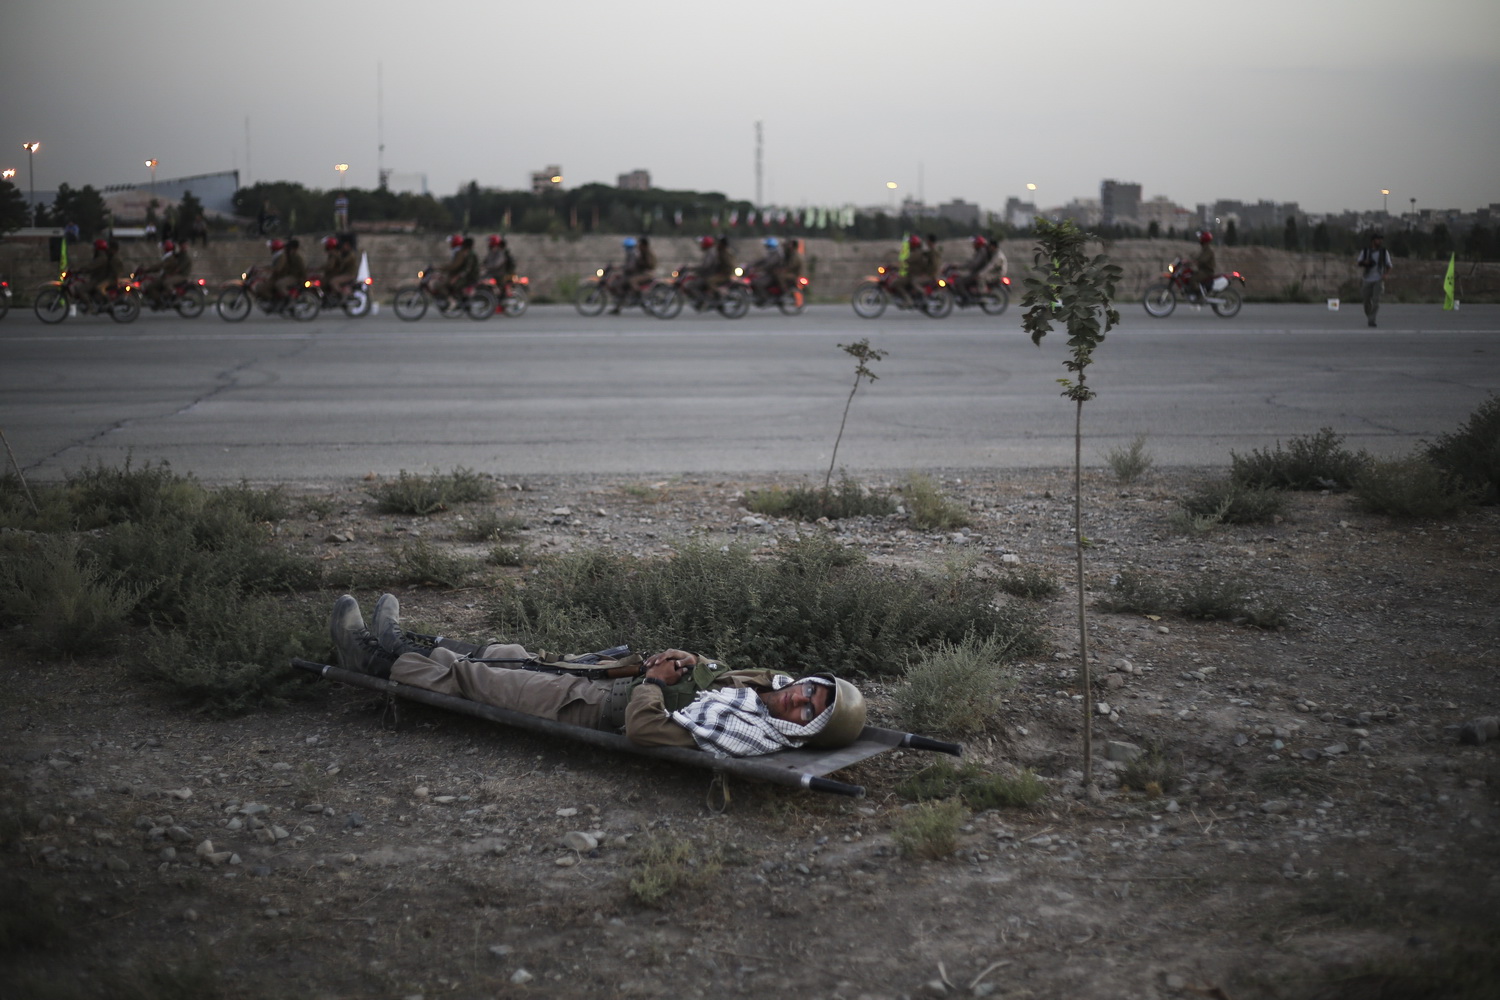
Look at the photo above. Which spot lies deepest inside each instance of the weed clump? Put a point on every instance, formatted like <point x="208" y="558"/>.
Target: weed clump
<point x="974" y="786"/>
<point x="816" y="606"/>
<point x="1208" y="596"/>
<point x="1412" y="487"/>
<point x="1131" y="462"/>
<point x="1151" y="773"/>
<point x="665" y="868"/>
<point x="1030" y="582"/>
<point x="930" y="829"/>
<point x="422" y="495"/>
<point x="1472" y="453"/>
<point x="1311" y="462"/>
<point x="806" y="503"/>
<point x="420" y="563"/>
<point x="956" y="688"/>
<point x="62" y="598"/>
<point x="928" y="508"/>
<point x="1229" y="502"/>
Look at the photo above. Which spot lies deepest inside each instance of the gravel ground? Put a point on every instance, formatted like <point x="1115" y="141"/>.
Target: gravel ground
<point x="1328" y="833"/>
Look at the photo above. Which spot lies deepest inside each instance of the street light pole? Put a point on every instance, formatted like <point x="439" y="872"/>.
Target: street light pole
<point x="31" y="148"/>
<point x="1385" y="207"/>
<point x="152" y="164"/>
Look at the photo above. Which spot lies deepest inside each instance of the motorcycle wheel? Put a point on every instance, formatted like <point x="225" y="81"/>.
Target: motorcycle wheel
<point x="515" y="302"/>
<point x="305" y="307"/>
<point x="1231" y="304"/>
<point x="192" y="303"/>
<point x="410" y="303"/>
<point x="734" y="301"/>
<point x="357" y="303"/>
<point x="590" y="299"/>
<point x="791" y="303"/>
<point x="4" y="305"/>
<point x="51" y="305"/>
<point x="1159" y="300"/>
<point x="233" y="304"/>
<point x="995" y="301"/>
<point x="939" y="304"/>
<point x="869" y="300"/>
<point x="481" y="305"/>
<point x="125" y="309"/>
<point x="664" y="301"/>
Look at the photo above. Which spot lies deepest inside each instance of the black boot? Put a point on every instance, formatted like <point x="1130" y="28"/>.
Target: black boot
<point x="392" y="638"/>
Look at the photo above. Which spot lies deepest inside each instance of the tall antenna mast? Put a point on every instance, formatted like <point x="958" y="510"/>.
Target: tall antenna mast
<point x="380" y="124"/>
<point x="247" y="150"/>
<point x="759" y="151"/>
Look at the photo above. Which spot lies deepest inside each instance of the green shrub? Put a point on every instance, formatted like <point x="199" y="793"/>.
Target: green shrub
<point x="1030" y="581"/>
<point x="508" y="555"/>
<point x="665" y="868"/>
<point x="1132" y="462"/>
<point x="254" y="504"/>
<point x="1472" y="453"/>
<point x="977" y="788"/>
<point x="1411" y="487"/>
<point x="1311" y="462"/>
<point x="103" y="495"/>
<point x="492" y="526"/>
<point x="420" y="563"/>
<point x="928" y="508"/>
<point x="806" y="503"/>
<point x="1133" y="592"/>
<point x="64" y="601"/>
<point x="1212" y="596"/>
<point x="955" y="688"/>
<point x="422" y="495"/>
<point x="1231" y="502"/>
<point x="1151" y="773"/>
<point x="53" y="512"/>
<point x="231" y="653"/>
<point x="814" y="606"/>
<point x="929" y="829"/>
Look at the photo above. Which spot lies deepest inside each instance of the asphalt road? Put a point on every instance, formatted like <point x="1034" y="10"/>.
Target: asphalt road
<point x="552" y="392"/>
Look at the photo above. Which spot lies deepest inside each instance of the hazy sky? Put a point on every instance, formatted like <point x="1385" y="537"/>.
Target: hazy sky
<point x="1322" y="102"/>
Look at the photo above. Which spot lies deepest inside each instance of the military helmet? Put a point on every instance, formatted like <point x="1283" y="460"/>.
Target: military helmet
<point x="847" y="720"/>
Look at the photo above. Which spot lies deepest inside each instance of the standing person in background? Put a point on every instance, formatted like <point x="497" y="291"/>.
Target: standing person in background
<point x="1374" y="262"/>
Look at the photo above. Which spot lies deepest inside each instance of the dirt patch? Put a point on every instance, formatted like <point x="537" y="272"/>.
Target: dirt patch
<point x="1324" y="825"/>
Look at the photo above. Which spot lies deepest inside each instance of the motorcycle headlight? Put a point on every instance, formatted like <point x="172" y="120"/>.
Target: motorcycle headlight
<point x="599" y="273"/>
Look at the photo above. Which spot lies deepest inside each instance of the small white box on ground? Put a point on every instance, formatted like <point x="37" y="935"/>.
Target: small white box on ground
<point x="1333" y="305"/>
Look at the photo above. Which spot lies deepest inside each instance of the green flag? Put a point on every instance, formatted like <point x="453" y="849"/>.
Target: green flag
<point x="1448" y="283"/>
<point x="64" y="259"/>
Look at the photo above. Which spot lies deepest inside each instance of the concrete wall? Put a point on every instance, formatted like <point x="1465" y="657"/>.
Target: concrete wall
<point x="554" y="263"/>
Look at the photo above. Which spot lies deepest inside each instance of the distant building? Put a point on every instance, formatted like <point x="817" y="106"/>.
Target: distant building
<point x="636" y="180"/>
<point x="1169" y="217"/>
<point x="959" y="211"/>
<point x="546" y="179"/>
<point x="1084" y="212"/>
<point x="1118" y="203"/>
<point x="1019" y="214"/>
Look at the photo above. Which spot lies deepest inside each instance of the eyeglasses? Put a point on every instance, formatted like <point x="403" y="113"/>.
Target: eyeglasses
<point x="808" y="712"/>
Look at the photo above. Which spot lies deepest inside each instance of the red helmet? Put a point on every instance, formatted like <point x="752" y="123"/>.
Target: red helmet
<point x="168" y="246"/>
<point x="915" y="241"/>
<point x="1205" y="237"/>
<point x="329" y="242"/>
<point x="496" y="240"/>
<point x="101" y="244"/>
<point x="455" y="240"/>
<point x="980" y="243"/>
<point x="706" y="242"/>
<point x="277" y="246"/>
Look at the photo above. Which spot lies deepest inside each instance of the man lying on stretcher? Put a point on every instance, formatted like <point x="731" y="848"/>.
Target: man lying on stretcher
<point x="672" y="698"/>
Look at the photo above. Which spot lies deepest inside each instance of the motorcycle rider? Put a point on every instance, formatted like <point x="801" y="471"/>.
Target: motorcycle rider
<point x="461" y="271"/>
<point x="105" y="272"/>
<point x="288" y="269"/>
<point x="973" y="270"/>
<point x="767" y="270"/>
<point x="498" y="262"/>
<point x="340" y="267"/>
<point x="638" y="273"/>
<point x="1204" y="265"/>
<point x="917" y="269"/>
<point x="159" y="277"/>
<point x="713" y="271"/>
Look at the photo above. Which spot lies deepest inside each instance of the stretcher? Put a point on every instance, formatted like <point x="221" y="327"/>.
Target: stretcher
<point x="801" y="768"/>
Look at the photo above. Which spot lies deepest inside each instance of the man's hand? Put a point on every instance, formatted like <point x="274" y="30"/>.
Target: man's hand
<point x="670" y="666"/>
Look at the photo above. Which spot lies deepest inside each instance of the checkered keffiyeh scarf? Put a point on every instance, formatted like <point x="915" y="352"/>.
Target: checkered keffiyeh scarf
<point x="734" y="722"/>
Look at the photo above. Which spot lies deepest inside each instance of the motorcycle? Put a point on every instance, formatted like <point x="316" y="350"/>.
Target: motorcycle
<point x="513" y="293"/>
<point x="789" y="300"/>
<point x="872" y="295"/>
<point x="991" y="296"/>
<point x="236" y="298"/>
<point x="56" y="299"/>
<point x="477" y="301"/>
<point x="188" y="297"/>
<point x="1161" y="298"/>
<point x="667" y="298"/>
<point x="4" y="297"/>
<point x="355" y="302"/>
<point x="606" y="285"/>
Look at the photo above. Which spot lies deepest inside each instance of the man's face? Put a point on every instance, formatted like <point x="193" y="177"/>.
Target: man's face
<point x="800" y="702"/>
